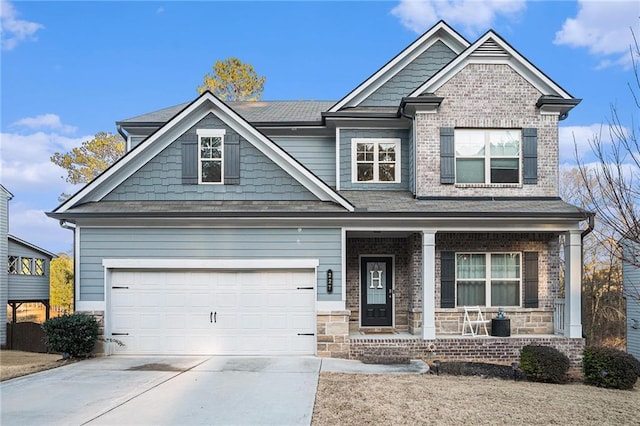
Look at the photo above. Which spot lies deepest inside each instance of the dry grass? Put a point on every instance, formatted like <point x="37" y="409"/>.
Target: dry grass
<point x="17" y="363"/>
<point x="352" y="399"/>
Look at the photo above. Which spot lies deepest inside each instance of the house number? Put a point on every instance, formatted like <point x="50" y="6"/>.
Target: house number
<point x="329" y="281"/>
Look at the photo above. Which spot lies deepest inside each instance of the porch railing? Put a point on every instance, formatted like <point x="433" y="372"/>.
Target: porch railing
<point x="558" y="316"/>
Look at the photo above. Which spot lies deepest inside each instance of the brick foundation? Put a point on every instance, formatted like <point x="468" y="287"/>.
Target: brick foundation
<point x="491" y="349"/>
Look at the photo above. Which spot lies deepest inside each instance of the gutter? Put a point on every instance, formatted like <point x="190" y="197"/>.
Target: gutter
<point x="66" y="225"/>
<point x="124" y="136"/>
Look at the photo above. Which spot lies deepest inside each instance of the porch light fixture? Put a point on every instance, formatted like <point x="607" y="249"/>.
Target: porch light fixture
<point x="376" y="276"/>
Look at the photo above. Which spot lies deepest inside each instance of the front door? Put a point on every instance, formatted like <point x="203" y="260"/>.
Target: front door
<point x="377" y="291"/>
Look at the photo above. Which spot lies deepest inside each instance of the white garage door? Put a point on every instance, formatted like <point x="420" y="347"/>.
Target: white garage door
<point x="269" y="312"/>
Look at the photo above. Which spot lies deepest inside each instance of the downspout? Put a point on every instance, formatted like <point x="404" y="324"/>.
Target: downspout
<point x="414" y="148"/>
<point x="66" y="225"/>
<point x="124" y="136"/>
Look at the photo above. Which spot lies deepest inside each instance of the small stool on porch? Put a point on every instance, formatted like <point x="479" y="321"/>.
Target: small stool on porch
<point x="474" y="320"/>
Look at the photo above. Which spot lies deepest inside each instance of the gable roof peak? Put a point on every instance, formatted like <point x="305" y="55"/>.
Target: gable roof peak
<point x="441" y="31"/>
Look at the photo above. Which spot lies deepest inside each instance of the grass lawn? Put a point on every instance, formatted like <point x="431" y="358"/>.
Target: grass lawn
<point x="357" y="399"/>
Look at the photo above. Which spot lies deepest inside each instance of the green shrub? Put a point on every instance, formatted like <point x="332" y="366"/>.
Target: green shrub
<point x="544" y="364"/>
<point x="610" y="368"/>
<point x="74" y="334"/>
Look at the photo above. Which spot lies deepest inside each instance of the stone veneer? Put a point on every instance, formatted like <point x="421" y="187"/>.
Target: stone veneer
<point x="333" y="334"/>
<point x="486" y="96"/>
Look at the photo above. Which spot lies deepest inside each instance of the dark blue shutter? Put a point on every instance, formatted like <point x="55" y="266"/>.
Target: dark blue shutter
<point x="530" y="156"/>
<point x="447" y="279"/>
<point x="530" y="279"/>
<point x="189" y="158"/>
<point x="232" y="160"/>
<point x="447" y="155"/>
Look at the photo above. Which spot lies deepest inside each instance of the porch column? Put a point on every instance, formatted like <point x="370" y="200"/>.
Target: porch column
<point x="428" y="284"/>
<point x="573" y="284"/>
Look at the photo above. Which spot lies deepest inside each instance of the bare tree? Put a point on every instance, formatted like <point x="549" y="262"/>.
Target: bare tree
<point x="611" y="182"/>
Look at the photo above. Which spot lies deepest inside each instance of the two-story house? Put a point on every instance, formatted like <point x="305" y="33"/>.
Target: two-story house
<point x="337" y="228"/>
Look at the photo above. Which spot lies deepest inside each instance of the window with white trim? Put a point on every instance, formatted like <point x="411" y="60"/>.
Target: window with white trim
<point x="375" y="160"/>
<point x="210" y="156"/>
<point x="488" y="156"/>
<point x="488" y="279"/>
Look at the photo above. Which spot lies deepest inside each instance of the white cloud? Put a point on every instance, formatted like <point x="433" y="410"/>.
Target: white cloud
<point x="30" y="223"/>
<point x="45" y="121"/>
<point x="603" y="27"/>
<point x="572" y="137"/>
<point x="13" y="30"/>
<point x="25" y="161"/>
<point x="473" y="15"/>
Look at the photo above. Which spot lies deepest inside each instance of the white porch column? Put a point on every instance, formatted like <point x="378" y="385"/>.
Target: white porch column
<point x="573" y="284"/>
<point x="428" y="284"/>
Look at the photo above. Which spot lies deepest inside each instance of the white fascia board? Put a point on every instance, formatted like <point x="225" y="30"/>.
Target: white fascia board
<point x="440" y="31"/>
<point x="114" y="175"/>
<point x="516" y="61"/>
<point x="218" y="264"/>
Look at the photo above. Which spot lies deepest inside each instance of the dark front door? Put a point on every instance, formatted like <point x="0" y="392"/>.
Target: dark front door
<point x="377" y="291"/>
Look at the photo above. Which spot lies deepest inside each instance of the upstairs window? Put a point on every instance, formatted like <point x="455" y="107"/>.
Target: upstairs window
<point x="210" y="156"/>
<point x="25" y="266"/>
<point x="487" y="156"/>
<point x="376" y="160"/>
<point x="13" y="265"/>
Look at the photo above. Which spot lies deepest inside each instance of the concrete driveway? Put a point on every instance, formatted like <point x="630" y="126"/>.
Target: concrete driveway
<point x="121" y="390"/>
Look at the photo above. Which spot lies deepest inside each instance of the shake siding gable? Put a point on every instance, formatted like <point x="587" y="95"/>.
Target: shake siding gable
<point x="162" y="177"/>
<point x="411" y="76"/>
<point x="97" y="244"/>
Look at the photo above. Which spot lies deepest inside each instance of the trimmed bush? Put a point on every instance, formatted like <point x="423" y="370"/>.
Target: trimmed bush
<point x="74" y="334"/>
<point x="610" y="368"/>
<point x="544" y="364"/>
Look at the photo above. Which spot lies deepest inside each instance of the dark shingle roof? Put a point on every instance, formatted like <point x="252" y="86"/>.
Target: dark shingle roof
<point x="404" y="202"/>
<point x="253" y="112"/>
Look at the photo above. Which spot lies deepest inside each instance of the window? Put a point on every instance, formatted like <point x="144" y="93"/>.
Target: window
<point x="487" y="156"/>
<point x="25" y="266"/>
<point x="488" y="279"/>
<point x="12" y="266"/>
<point x="210" y="155"/>
<point x="376" y="160"/>
<point x="38" y="267"/>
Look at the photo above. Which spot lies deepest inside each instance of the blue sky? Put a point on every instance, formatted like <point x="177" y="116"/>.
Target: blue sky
<point x="71" y="69"/>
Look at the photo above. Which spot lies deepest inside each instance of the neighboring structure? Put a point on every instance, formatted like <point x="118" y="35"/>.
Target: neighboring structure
<point x="631" y="285"/>
<point x="344" y="228"/>
<point x="25" y="278"/>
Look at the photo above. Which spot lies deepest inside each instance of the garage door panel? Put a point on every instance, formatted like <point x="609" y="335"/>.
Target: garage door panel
<point x="256" y="312"/>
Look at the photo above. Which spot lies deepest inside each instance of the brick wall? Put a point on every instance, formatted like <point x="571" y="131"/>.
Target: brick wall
<point x="486" y="96"/>
<point x="333" y="334"/>
<point x="493" y="349"/>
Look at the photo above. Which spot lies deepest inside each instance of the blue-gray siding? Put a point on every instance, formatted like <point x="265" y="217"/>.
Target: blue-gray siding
<point x="28" y="287"/>
<point x="97" y="244"/>
<point x="4" y="279"/>
<point x="346" y="135"/>
<point x="135" y="140"/>
<point x="411" y="77"/>
<point x="318" y="154"/>
<point x="161" y="178"/>
<point x="631" y="279"/>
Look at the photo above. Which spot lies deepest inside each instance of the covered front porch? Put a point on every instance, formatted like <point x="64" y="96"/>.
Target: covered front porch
<point x="397" y="299"/>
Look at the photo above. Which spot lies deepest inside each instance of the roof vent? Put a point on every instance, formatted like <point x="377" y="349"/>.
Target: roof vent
<point x="490" y="48"/>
